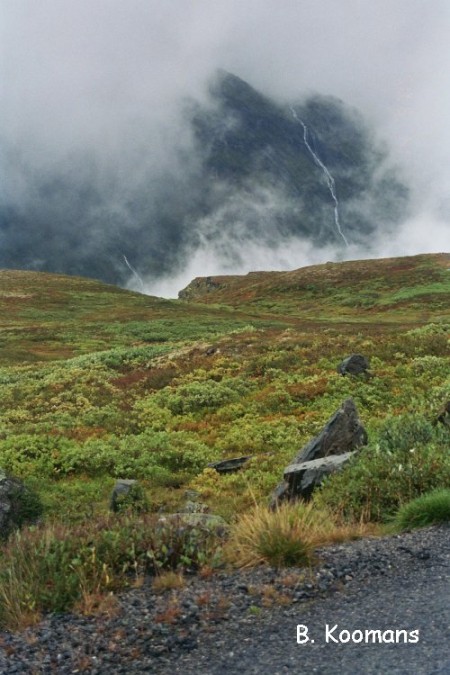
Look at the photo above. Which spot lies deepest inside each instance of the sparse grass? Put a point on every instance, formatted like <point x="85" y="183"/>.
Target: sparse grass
<point x="428" y="509"/>
<point x="97" y="603"/>
<point x="168" y="580"/>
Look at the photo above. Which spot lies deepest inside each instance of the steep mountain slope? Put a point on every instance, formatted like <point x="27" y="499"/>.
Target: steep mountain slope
<point x="256" y="172"/>
<point x="301" y="161"/>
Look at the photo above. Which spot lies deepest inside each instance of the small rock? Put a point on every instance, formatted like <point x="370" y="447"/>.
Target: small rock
<point x="229" y="465"/>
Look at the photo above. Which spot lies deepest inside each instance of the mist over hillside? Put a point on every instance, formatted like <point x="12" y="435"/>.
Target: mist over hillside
<point x="127" y="155"/>
<point x="248" y="175"/>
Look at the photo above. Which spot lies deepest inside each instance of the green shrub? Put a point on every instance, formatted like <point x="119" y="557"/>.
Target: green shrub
<point x="428" y="509"/>
<point x="195" y="396"/>
<point x="29" y="508"/>
<point x="411" y="458"/>
<point x="48" y="569"/>
<point x="134" y="500"/>
<point x="133" y="456"/>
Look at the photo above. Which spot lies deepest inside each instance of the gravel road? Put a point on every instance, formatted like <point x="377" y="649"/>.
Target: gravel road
<point x="246" y="623"/>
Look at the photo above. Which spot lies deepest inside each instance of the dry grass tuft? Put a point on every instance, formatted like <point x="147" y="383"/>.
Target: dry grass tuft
<point x="96" y="604"/>
<point x="286" y="537"/>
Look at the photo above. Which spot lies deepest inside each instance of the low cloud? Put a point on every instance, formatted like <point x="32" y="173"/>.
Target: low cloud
<point x="94" y="136"/>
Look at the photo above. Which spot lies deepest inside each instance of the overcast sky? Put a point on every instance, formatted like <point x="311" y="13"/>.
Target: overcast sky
<point x="79" y="74"/>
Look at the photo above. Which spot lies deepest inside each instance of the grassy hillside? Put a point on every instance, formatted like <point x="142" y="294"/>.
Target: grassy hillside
<point x="399" y="290"/>
<point x="99" y="383"/>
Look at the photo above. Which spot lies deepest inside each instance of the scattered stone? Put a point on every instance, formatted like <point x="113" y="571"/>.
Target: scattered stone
<point x="229" y="465"/>
<point x="128" y="494"/>
<point x="356" y="364"/>
<point x="121" y="489"/>
<point x="444" y="415"/>
<point x="18" y="504"/>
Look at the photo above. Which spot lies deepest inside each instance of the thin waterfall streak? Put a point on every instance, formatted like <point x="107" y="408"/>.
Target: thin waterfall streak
<point x="328" y="177"/>
<point x="133" y="271"/>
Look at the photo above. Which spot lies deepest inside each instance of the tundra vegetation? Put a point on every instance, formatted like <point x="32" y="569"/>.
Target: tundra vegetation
<point x="99" y="383"/>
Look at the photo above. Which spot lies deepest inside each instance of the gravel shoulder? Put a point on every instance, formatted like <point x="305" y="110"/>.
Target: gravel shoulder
<point x="246" y="622"/>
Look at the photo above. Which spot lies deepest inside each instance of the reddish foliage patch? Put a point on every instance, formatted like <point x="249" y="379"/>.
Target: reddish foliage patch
<point x="153" y="378"/>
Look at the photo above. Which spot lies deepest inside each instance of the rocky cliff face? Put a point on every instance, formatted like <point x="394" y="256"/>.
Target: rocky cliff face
<point x="258" y="172"/>
<point x="313" y="162"/>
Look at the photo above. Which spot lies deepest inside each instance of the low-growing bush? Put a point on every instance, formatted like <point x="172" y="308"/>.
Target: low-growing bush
<point x="48" y="569"/>
<point x="194" y="397"/>
<point x="428" y="509"/>
<point x="410" y="459"/>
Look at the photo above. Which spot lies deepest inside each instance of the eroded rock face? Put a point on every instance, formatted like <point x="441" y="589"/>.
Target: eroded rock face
<point x="356" y="364"/>
<point x="340" y="438"/>
<point x="18" y="505"/>
<point x="342" y="433"/>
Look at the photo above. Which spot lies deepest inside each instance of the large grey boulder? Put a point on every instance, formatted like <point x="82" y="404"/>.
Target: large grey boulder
<point x="18" y="504"/>
<point x="342" y="435"/>
<point x="356" y="364"/>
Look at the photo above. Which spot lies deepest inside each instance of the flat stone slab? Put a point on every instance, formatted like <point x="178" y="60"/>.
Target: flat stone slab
<point x="305" y="477"/>
<point x="330" y="461"/>
<point x="229" y="465"/>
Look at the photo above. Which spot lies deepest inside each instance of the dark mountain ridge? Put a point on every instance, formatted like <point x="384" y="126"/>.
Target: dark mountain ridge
<point x="250" y="177"/>
<point x="251" y="142"/>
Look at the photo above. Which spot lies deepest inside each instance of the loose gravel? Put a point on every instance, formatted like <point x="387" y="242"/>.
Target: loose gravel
<point x="244" y="622"/>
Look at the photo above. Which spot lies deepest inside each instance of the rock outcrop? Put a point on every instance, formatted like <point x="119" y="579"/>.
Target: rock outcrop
<point x="341" y="437"/>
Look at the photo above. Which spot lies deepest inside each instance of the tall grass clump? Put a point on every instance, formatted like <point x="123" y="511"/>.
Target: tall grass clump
<point x="50" y="569"/>
<point x="285" y="537"/>
<point x="429" y="509"/>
